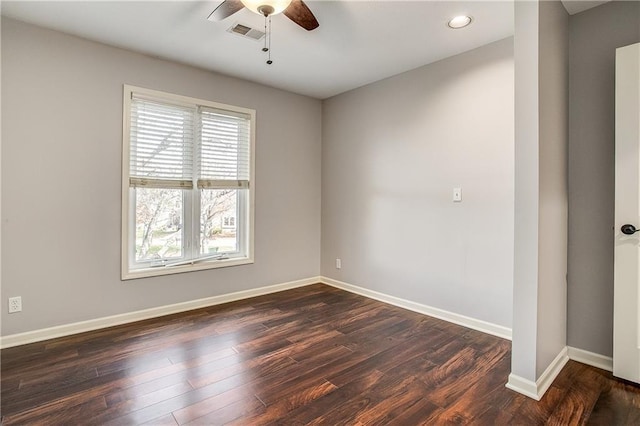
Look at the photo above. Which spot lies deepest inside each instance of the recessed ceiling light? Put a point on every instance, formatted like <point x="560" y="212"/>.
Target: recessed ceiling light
<point x="459" y="22"/>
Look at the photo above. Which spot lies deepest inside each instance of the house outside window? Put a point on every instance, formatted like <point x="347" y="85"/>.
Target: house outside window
<point x="229" y="222"/>
<point x="187" y="183"/>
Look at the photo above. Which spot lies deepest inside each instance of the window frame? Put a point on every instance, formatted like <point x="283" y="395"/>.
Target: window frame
<point x="245" y="214"/>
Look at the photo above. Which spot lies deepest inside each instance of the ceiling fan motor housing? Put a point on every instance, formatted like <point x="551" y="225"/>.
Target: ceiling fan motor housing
<point x="266" y="7"/>
<point x="266" y="10"/>
<point x="296" y="10"/>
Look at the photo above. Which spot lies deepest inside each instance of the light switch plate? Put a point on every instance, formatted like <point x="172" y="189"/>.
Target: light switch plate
<point x="457" y="195"/>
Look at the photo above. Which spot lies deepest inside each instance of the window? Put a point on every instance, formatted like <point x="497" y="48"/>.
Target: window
<point x="187" y="191"/>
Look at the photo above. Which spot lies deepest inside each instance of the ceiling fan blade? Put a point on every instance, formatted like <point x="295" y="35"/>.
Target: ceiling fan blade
<point x="225" y="9"/>
<point x="299" y="13"/>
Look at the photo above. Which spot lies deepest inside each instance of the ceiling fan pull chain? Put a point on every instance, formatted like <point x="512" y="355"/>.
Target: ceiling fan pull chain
<point x="266" y="36"/>
<point x="269" y="61"/>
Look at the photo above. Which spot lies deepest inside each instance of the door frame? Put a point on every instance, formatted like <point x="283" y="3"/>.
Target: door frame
<point x="626" y="328"/>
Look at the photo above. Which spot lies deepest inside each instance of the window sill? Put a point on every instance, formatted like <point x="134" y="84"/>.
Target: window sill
<point x="169" y="270"/>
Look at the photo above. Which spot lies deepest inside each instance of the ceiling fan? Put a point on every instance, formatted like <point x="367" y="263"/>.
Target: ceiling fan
<point x="296" y="10"/>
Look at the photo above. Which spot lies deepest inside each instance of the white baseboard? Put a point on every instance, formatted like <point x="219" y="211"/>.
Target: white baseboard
<point x="552" y="371"/>
<point x="537" y="389"/>
<point x="524" y="386"/>
<point x="95" y="324"/>
<point x="479" y="325"/>
<point x="590" y="358"/>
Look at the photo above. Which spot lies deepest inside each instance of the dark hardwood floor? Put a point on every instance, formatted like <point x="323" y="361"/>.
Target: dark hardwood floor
<point x="313" y="355"/>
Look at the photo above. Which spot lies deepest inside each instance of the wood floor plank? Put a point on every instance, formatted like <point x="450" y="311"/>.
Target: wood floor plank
<point x="256" y="367"/>
<point x="228" y="413"/>
<point x="382" y="361"/>
<point x="333" y="401"/>
<point x="416" y="414"/>
<point x="166" y="420"/>
<point x="479" y="400"/>
<point x="273" y="413"/>
<point x="449" y="392"/>
<point x="393" y="405"/>
<point x="209" y="406"/>
<point x="310" y="355"/>
<point x="60" y="415"/>
<point x="388" y="393"/>
<point x="618" y="404"/>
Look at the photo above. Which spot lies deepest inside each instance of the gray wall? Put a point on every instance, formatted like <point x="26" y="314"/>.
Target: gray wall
<point x="541" y="129"/>
<point x="553" y="89"/>
<point x="525" y="279"/>
<point x="392" y="153"/>
<point x="61" y="143"/>
<point x="594" y="36"/>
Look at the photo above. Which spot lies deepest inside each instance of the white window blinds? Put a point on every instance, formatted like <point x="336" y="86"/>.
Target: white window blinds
<point x="224" y="149"/>
<point x="173" y="146"/>
<point x="161" y="144"/>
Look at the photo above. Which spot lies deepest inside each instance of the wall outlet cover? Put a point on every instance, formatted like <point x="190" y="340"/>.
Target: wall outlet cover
<point x="15" y="304"/>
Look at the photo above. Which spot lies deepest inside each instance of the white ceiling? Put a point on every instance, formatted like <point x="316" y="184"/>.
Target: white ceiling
<point x="358" y="42"/>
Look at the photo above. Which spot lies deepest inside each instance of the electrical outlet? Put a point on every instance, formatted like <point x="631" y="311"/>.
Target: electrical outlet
<point x="15" y="304"/>
<point x="338" y="263"/>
